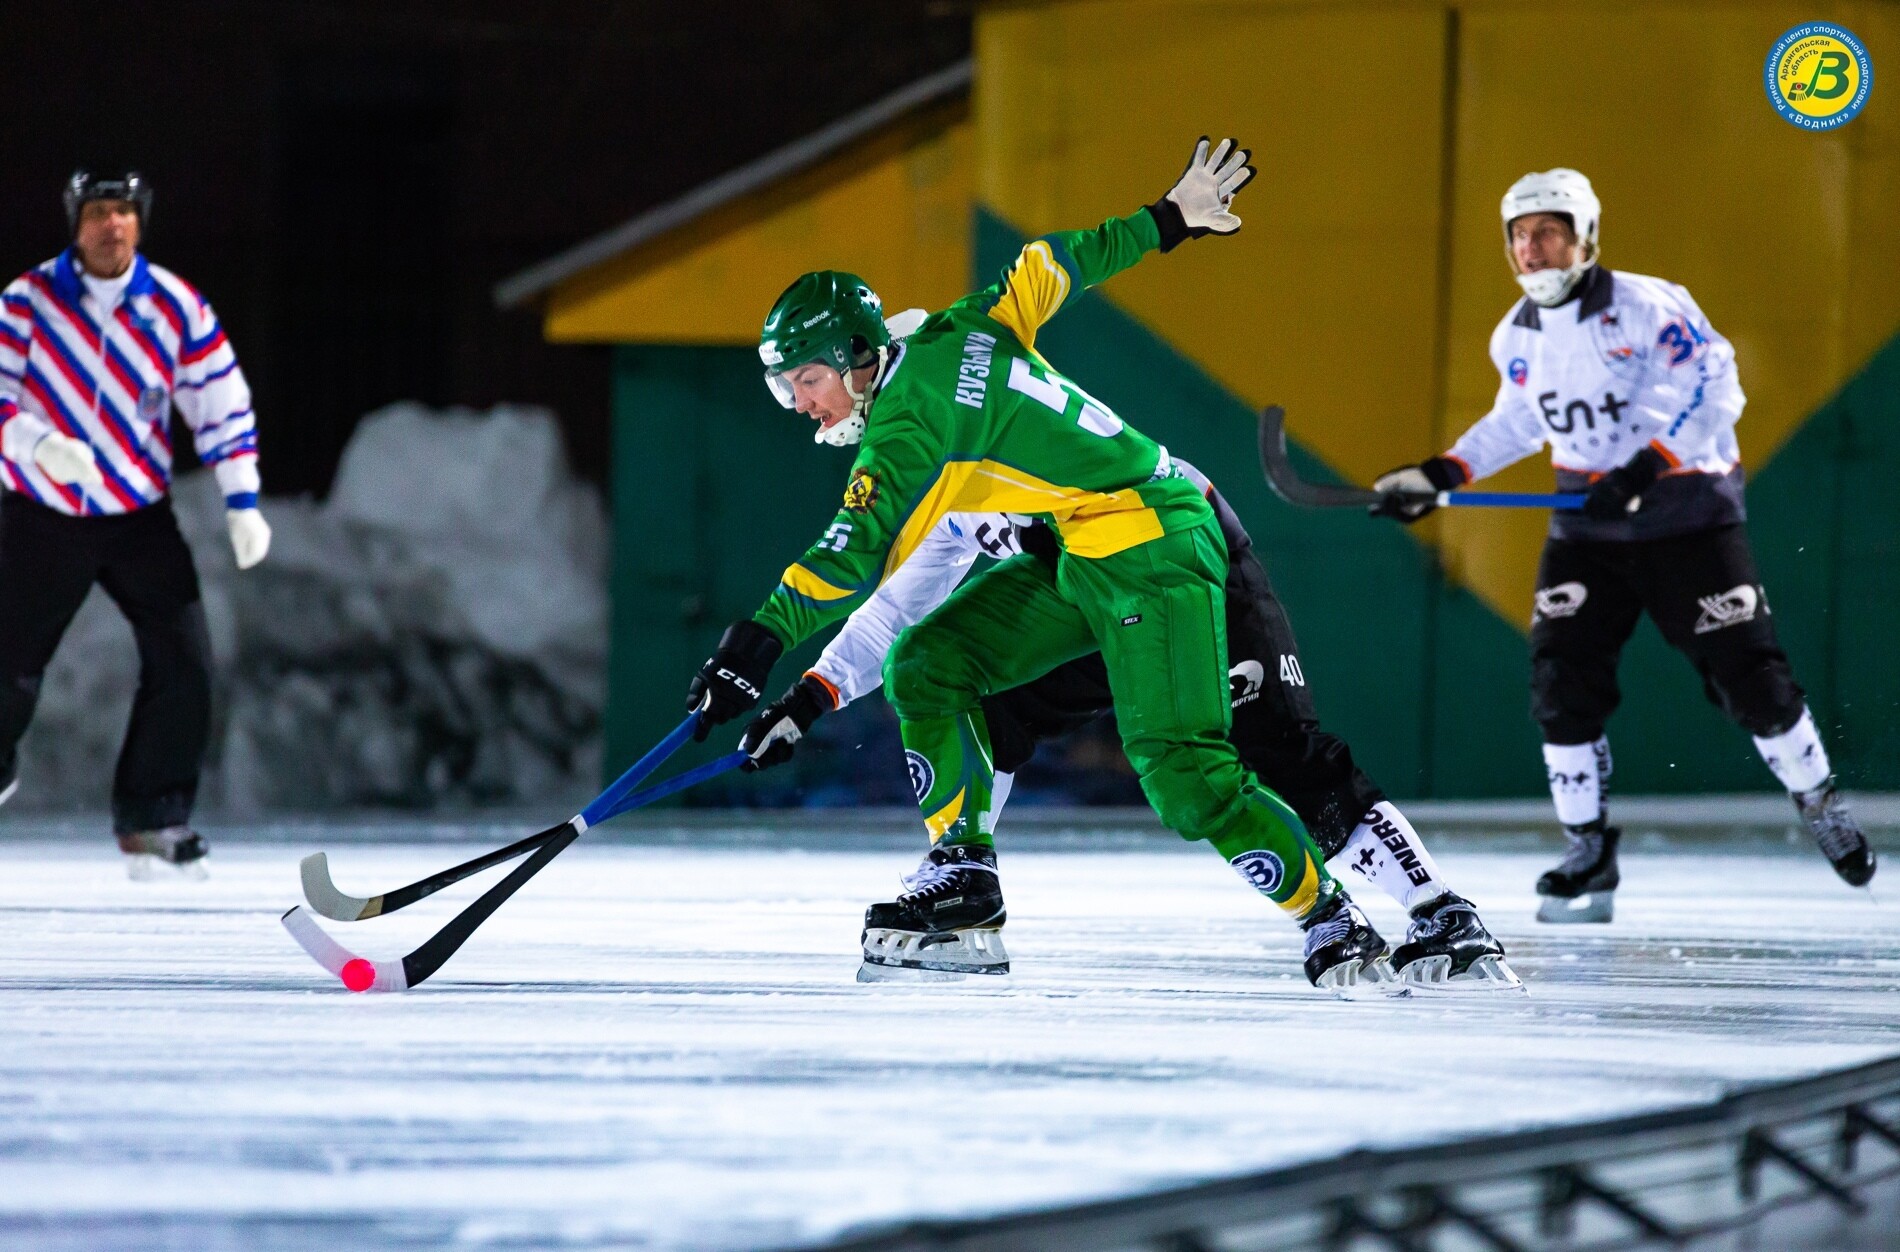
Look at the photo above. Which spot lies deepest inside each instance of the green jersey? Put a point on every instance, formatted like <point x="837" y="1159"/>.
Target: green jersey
<point x="972" y="419"/>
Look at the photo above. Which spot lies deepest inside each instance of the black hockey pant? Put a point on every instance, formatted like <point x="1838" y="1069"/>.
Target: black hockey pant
<point x="48" y="562"/>
<point x="1703" y="593"/>
<point x="1275" y="728"/>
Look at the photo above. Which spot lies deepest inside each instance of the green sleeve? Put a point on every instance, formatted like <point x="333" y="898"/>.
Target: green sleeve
<point x="893" y="472"/>
<point x="1052" y="271"/>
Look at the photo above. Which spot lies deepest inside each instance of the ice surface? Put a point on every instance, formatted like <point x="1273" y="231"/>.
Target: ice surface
<point x="662" y="1046"/>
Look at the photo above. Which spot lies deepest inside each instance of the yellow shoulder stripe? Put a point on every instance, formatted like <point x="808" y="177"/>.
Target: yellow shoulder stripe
<point x="1036" y="287"/>
<point x="809" y="585"/>
<point x="1092" y="523"/>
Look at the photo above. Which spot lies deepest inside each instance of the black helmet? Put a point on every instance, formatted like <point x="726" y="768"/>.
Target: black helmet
<point x="85" y="185"/>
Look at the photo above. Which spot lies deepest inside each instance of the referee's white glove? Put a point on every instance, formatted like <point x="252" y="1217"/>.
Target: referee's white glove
<point x="67" y="461"/>
<point x="250" y="536"/>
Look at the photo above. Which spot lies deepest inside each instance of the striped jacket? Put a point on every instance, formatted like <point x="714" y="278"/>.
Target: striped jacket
<point x="110" y="377"/>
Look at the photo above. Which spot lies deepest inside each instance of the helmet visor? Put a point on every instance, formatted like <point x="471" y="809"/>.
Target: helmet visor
<point x="785" y="380"/>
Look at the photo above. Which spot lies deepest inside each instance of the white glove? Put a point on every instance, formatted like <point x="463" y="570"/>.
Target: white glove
<point x="250" y="536"/>
<point x="1205" y="194"/>
<point x="1409" y="494"/>
<point x="1409" y="479"/>
<point x="66" y="460"/>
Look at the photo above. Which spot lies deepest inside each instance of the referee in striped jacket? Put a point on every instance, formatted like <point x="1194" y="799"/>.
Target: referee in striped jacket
<point x="96" y="346"/>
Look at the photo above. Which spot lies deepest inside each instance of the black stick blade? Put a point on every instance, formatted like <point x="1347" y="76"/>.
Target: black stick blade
<point x="1286" y="481"/>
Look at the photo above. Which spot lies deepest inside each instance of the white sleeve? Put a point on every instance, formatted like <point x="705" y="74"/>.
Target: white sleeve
<point x="852" y="664"/>
<point x="1689" y="390"/>
<point x="20" y="429"/>
<point x="1511" y="431"/>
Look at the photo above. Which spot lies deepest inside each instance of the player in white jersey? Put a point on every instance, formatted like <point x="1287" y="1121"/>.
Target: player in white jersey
<point x="1274" y="727"/>
<point x="96" y="347"/>
<point x="1636" y="395"/>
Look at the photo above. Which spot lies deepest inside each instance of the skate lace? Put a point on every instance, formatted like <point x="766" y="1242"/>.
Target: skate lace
<point x="928" y="877"/>
<point x="932" y="877"/>
<point x="1836" y="833"/>
<point x="1435" y="924"/>
<point x="1585" y="852"/>
<point x="1333" y="930"/>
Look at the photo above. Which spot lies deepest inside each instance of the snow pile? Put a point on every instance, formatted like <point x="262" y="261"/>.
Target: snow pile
<point x="435" y="631"/>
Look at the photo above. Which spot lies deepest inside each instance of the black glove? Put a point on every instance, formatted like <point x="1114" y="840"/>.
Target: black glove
<point x="733" y="676"/>
<point x="1619" y="493"/>
<point x="781" y="724"/>
<point x="1405" y="486"/>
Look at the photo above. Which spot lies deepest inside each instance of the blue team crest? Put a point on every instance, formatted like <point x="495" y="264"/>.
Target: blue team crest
<point x="152" y="403"/>
<point x="1520" y="370"/>
<point x="1263" y="871"/>
<point x="922" y="776"/>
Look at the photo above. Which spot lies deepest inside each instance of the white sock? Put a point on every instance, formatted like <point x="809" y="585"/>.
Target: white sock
<point x="999" y="796"/>
<point x="1385" y="850"/>
<point x="1577" y="772"/>
<point x="1796" y="755"/>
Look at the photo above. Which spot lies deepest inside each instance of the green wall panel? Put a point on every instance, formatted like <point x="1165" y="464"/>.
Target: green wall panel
<point x="716" y="489"/>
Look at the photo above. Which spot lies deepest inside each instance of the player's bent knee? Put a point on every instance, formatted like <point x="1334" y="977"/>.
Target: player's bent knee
<point x="1764" y="699"/>
<point x="923" y="678"/>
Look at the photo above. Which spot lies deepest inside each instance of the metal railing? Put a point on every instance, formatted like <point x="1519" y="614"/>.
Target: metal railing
<point x="1657" y="1179"/>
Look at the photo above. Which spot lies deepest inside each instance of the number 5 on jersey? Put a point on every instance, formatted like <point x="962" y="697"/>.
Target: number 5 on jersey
<point x="1055" y="391"/>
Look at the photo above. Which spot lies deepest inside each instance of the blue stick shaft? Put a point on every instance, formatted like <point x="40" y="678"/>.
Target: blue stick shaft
<point x="1511" y="500"/>
<point x="679" y="782"/>
<point x="603" y="806"/>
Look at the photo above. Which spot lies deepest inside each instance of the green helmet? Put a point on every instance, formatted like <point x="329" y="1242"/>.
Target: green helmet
<point x="828" y="316"/>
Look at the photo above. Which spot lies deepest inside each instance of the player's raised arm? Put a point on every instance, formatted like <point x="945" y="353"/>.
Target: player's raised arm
<point x="1053" y="270"/>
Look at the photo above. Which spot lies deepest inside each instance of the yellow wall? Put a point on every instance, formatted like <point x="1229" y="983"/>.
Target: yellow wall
<point x="895" y="209"/>
<point x="1364" y="288"/>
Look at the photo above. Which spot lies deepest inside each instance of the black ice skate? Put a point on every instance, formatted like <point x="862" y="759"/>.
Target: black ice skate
<point x="9" y="783"/>
<point x="1835" y="829"/>
<point x="177" y="848"/>
<point x="1448" y="949"/>
<point x="1583" y="886"/>
<point x="1344" y="954"/>
<point x="947" y="922"/>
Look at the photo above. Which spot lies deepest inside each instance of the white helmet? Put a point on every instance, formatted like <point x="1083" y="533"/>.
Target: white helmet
<point x="1554" y="191"/>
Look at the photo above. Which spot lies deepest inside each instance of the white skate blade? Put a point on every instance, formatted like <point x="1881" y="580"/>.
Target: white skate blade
<point x="1487" y="973"/>
<point x="144" y="867"/>
<point x="975" y="951"/>
<point x="6" y="793"/>
<point x="1363" y="980"/>
<point x="868" y="972"/>
<point x="1591" y="906"/>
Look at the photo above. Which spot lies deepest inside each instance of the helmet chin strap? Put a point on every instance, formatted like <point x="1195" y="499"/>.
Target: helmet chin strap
<point x="1551" y="287"/>
<point x="851" y="430"/>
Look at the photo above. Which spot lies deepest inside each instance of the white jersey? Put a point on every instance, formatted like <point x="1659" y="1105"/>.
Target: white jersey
<point x="1631" y="363"/>
<point x="853" y="663"/>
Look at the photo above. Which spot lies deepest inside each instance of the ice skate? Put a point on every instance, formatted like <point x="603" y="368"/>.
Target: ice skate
<point x="174" y="850"/>
<point x="1449" y="949"/>
<point x="946" y="923"/>
<point x="9" y="783"/>
<point x="1839" y="835"/>
<point x="1344" y="954"/>
<point x="1582" y="888"/>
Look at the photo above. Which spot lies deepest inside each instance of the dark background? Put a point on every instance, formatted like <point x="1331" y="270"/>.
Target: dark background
<point x="345" y="180"/>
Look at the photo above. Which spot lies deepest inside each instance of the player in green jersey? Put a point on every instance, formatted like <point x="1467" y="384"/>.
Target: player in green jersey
<point x="966" y="415"/>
